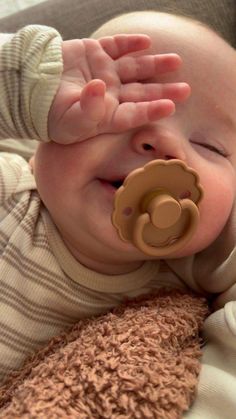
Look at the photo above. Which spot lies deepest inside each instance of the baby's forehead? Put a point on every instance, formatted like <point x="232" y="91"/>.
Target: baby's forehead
<point x="166" y="30"/>
<point x="145" y="22"/>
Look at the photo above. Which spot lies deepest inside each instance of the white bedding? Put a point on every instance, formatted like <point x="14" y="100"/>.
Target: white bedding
<point x="12" y="6"/>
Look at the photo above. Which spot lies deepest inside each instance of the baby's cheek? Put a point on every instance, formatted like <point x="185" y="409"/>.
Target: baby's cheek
<point x="215" y="212"/>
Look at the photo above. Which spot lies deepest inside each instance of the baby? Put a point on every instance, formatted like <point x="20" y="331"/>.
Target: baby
<point x="59" y="251"/>
<point x="112" y="113"/>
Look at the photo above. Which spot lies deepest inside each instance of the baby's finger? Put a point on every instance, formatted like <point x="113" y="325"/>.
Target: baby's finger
<point x="138" y="92"/>
<point x="92" y="100"/>
<point x="145" y="67"/>
<point x="119" y="45"/>
<point x="131" y="115"/>
<point x="82" y="116"/>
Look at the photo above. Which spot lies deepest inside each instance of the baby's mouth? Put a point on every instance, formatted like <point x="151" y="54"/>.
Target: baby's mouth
<point x="114" y="184"/>
<point x="117" y="183"/>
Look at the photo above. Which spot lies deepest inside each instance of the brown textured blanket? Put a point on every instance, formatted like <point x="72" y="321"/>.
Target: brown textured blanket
<point x="141" y="360"/>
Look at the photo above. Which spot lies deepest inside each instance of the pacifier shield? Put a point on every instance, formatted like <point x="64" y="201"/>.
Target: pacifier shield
<point x="156" y="208"/>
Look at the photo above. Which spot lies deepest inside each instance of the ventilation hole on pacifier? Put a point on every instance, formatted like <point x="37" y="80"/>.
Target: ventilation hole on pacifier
<point x="127" y="211"/>
<point x="185" y="194"/>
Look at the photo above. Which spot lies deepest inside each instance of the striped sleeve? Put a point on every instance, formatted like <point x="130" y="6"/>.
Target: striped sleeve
<point x="15" y="179"/>
<point x="30" y="71"/>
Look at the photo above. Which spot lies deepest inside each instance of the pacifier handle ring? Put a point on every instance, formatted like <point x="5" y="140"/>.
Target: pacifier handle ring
<point x="144" y="219"/>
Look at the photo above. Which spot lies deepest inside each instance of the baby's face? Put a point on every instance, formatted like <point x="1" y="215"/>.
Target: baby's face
<point x="76" y="181"/>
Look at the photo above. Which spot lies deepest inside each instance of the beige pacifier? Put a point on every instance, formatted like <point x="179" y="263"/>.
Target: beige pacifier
<point x="156" y="208"/>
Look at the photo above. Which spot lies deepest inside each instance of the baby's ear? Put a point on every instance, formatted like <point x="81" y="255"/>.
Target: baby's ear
<point x="31" y="163"/>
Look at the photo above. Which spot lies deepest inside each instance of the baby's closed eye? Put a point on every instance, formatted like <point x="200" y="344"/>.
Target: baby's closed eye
<point x="202" y="141"/>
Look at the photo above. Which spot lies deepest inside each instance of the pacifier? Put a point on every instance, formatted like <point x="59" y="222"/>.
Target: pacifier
<point x="156" y="208"/>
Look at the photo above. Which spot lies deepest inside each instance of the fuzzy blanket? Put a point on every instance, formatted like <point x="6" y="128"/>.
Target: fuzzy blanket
<point x="141" y="360"/>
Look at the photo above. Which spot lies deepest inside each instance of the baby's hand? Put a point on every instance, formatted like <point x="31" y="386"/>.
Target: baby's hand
<point x="104" y="90"/>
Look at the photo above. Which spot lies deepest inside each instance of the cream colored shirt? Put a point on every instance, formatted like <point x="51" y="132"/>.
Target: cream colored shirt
<point x="43" y="288"/>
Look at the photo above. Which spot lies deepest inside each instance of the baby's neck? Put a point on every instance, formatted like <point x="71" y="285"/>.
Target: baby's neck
<point x="110" y="269"/>
<point x="102" y="266"/>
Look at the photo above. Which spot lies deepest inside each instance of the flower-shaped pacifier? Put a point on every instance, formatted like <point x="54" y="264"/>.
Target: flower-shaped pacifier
<point x="156" y="208"/>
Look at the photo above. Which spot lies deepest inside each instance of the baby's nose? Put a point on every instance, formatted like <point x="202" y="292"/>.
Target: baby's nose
<point x="159" y="143"/>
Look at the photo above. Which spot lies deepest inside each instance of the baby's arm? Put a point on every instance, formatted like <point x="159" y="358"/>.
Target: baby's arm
<point x="93" y="86"/>
<point x="30" y="71"/>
